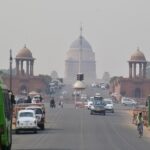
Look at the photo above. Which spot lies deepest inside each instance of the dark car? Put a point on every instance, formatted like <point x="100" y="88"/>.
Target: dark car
<point x="21" y="101"/>
<point x="98" y="106"/>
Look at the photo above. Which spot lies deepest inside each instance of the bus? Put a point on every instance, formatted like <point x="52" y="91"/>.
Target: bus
<point x="5" y="118"/>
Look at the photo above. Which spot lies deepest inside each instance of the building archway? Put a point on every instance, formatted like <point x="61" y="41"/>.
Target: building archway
<point x="137" y="93"/>
<point x="23" y="90"/>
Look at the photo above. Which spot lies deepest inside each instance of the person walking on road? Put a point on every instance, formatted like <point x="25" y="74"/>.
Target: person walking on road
<point x="61" y="103"/>
<point x="140" y="122"/>
<point x="52" y="103"/>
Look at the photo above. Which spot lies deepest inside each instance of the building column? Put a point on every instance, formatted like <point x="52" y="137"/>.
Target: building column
<point x="32" y="64"/>
<point x="134" y="70"/>
<point x="140" y="70"/>
<point x="144" y="70"/>
<point x="31" y="67"/>
<point x="130" y="70"/>
<point x="17" y="67"/>
<point x="21" y="67"/>
<point x="27" y="66"/>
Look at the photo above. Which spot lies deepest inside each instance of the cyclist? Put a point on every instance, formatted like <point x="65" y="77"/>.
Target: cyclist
<point x="139" y="122"/>
<point x="52" y="103"/>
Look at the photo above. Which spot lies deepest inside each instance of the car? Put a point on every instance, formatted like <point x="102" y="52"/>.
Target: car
<point x="83" y="97"/>
<point x="128" y="101"/>
<point x="20" y="99"/>
<point x="98" y="105"/>
<point x="90" y="102"/>
<point x="109" y="106"/>
<point x="36" y="99"/>
<point x="26" y="121"/>
<point x="40" y="115"/>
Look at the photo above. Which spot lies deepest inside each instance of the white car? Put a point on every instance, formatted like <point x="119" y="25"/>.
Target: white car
<point x="128" y="101"/>
<point x="90" y="102"/>
<point x="40" y="115"/>
<point x="109" y="106"/>
<point x="26" y="121"/>
<point x="36" y="99"/>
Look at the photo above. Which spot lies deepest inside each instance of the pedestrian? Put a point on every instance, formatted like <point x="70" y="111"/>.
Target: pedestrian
<point x="41" y="99"/>
<point x="61" y="103"/>
<point x="139" y="123"/>
<point x="52" y="103"/>
<point x="29" y="99"/>
<point x="12" y="97"/>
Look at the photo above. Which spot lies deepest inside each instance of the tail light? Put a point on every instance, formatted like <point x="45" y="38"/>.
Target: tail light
<point x="17" y="122"/>
<point x="34" y="121"/>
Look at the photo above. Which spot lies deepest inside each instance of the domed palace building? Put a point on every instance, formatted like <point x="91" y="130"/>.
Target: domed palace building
<point x="24" y="80"/>
<point x="137" y="85"/>
<point x="80" y="59"/>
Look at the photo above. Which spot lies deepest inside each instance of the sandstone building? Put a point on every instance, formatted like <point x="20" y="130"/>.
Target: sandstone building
<point x="137" y="85"/>
<point x="24" y="81"/>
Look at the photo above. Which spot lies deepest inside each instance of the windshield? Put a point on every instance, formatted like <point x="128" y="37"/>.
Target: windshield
<point x="26" y="114"/>
<point x="98" y="102"/>
<point x="108" y="102"/>
<point x="37" y="110"/>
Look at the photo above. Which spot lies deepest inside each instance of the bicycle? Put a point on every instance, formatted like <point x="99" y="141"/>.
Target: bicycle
<point x="140" y="129"/>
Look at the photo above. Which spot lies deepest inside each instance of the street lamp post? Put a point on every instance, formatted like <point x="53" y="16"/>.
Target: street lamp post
<point x="10" y="69"/>
<point x="78" y="86"/>
<point x="149" y="111"/>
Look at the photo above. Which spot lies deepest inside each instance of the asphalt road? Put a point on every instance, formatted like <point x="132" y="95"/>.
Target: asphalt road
<point x="75" y="129"/>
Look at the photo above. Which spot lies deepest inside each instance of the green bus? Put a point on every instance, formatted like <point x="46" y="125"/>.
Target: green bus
<point x="5" y="118"/>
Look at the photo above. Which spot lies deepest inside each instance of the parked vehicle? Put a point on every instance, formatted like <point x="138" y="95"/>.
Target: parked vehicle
<point x="127" y="101"/>
<point x="40" y="115"/>
<point x="5" y="118"/>
<point x="26" y="121"/>
<point x="98" y="105"/>
<point x="109" y="106"/>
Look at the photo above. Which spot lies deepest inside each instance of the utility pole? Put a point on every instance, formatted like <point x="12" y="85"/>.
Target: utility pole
<point x="149" y="111"/>
<point x="10" y="69"/>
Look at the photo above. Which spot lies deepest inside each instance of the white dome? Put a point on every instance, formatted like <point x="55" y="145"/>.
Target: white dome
<point x="77" y="44"/>
<point x="79" y="85"/>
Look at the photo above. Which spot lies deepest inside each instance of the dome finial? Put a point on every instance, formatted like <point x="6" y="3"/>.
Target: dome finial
<point x="25" y="46"/>
<point x="81" y="29"/>
<point x="138" y="48"/>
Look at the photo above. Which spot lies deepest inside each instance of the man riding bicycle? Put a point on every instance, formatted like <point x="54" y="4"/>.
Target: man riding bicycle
<point x="139" y="122"/>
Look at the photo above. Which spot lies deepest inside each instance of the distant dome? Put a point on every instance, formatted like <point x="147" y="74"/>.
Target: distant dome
<point x="77" y="44"/>
<point x="80" y="44"/>
<point x="24" y="53"/>
<point x="137" y="56"/>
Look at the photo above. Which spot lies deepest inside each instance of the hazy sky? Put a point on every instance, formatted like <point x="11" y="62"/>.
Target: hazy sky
<point x="114" y="28"/>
